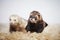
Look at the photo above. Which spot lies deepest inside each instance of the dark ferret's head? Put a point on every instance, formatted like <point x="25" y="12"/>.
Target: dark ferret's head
<point x="35" y="17"/>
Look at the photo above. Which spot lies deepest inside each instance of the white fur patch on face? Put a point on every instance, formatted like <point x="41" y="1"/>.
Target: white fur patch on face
<point x="32" y="20"/>
<point x="14" y="20"/>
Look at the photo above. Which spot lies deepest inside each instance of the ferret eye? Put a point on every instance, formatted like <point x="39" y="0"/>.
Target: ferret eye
<point x="14" y="19"/>
<point x="30" y="16"/>
<point x="10" y="19"/>
<point x="35" y="18"/>
<point x="39" y="15"/>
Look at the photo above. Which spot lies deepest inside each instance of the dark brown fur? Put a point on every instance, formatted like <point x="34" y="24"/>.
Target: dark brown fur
<point x="38" y="26"/>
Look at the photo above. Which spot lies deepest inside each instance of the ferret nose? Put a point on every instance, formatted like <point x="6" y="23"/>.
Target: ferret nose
<point x="11" y="22"/>
<point x="33" y="19"/>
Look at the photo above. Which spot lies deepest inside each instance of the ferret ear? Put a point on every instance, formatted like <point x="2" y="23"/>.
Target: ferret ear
<point x="29" y="19"/>
<point x="45" y="24"/>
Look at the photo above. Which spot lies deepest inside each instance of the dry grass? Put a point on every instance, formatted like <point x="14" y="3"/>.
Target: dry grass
<point x="28" y="36"/>
<point x="52" y="32"/>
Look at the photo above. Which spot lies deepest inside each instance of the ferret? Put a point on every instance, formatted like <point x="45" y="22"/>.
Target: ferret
<point x="35" y="22"/>
<point x="17" y="23"/>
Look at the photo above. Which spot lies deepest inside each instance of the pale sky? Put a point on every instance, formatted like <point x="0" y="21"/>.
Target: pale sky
<point x="49" y="9"/>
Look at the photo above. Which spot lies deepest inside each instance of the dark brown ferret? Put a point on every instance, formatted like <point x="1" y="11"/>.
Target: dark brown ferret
<point x="35" y="22"/>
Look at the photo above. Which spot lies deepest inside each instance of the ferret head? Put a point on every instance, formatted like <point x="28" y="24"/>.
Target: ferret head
<point x="14" y="20"/>
<point x="35" y="17"/>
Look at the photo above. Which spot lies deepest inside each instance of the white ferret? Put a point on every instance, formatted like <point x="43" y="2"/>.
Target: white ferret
<point x="17" y="23"/>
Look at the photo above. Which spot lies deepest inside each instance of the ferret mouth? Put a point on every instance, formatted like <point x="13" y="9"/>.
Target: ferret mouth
<point x="13" y="24"/>
<point x="32" y="20"/>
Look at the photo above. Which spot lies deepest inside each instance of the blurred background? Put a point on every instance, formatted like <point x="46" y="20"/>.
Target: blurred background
<point x="49" y="9"/>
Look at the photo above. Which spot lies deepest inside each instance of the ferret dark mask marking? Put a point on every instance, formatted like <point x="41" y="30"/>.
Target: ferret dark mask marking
<point x="35" y="22"/>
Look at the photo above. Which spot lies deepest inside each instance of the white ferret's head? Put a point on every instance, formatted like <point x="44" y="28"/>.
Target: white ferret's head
<point x="14" y="20"/>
